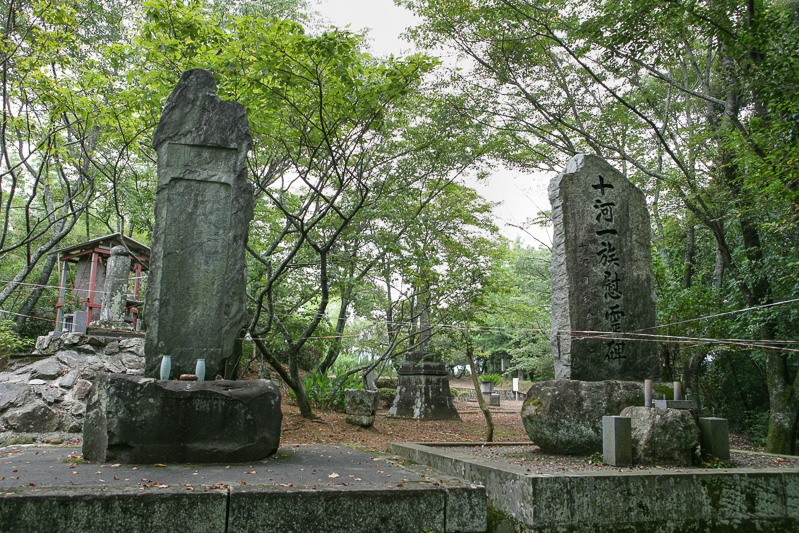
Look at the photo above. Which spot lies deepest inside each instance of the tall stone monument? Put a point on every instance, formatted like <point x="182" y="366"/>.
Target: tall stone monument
<point x="602" y="278"/>
<point x="195" y="302"/>
<point x="196" y="289"/>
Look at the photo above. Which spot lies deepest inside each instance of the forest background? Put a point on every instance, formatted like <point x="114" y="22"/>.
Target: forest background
<point x="364" y="219"/>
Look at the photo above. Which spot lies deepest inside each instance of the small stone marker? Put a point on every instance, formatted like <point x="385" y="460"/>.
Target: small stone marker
<point x="602" y="278"/>
<point x="617" y="443"/>
<point x="714" y="438"/>
<point x="361" y="406"/>
<point x="204" y="203"/>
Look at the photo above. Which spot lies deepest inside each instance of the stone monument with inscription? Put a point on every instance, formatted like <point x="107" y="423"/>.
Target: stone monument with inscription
<point x="602" y="280"/>
<point x="602" y="292"/>
<point x="196" y="290"/>
<point x="195" y="303"/>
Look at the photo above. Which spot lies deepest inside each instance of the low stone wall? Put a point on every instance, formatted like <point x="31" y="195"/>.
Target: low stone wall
<point x="651" y="501"/>
<point x="468" y="395"/>
<point x="449" y="507"/>
<point x="46" y="393"/>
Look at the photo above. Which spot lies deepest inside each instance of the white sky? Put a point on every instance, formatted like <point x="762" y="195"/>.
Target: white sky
<point x="522" y="195"/>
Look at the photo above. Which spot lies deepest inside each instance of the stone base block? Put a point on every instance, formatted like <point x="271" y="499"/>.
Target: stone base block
<point x="423" y="393"/>
<point x="714" y="438"/>
<point x="565" y="416"/>
<point x="132" y="419"/>
<point x="617" y="446"/>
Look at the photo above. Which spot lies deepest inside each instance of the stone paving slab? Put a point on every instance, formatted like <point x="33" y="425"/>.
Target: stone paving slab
<point x="301" y="488"/>
<point x="294" y="465"/>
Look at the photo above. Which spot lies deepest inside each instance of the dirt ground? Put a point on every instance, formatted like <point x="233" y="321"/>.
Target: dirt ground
<point x="332" y="428"/>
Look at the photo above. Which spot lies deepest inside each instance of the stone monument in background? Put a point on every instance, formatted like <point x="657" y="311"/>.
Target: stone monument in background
<point x="423" y="391"/>
<point x="195" y="299"/>
<point x="115" y="290"/>
<point x="602" y="278"/>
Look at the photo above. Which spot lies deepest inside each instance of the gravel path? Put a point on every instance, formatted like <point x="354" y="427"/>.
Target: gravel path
<point x="531" y="457"/>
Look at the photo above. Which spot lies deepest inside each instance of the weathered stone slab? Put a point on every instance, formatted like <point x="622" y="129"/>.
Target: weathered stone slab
<point x="132" y="419"/>
<point x="663" y="436"/>
<point x="196" y="287"/>
<point x="423" y="392"/>
<point x="565" y="416"/>
<point x="602" y="278"/>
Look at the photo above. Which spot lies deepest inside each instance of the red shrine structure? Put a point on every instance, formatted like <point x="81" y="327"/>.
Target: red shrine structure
<point x="83" y="276"/>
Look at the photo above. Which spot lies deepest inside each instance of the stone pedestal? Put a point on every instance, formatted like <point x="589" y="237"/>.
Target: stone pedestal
<point x="565" y="416"/>
<point x="714" y="438"/>
<point x="423" y="392"/>
<point x="132" y="419"/>
<point x="617" y="447"/>
<point x="493" y="399"/>
<point x="361" y="406"/>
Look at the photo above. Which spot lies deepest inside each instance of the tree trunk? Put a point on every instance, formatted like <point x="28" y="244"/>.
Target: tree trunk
<point x="36" y="293"/>
<point x="296" y="385"/>
<point x="480" y="400"/>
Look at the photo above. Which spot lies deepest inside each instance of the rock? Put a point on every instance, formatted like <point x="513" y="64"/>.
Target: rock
<point x="75" y="408"/>
<point x="134" y="345"/>
<point x="112" y="348"/>
<point x="131" y="419"/>
<point x="81" y="389"/>
<point x="33" y="417"/>
<point x="49" y="393"/>
<point x="13" y="395"/>
<point x="565" y="416"/>
<point x="196" y="290"/>
<point x="361" y="406"/>
<point x="68" y="381"/>
<point x="53" y="439"/>
<point x="602" y="278"/>
<point x="131" y="361"/>
<point x="663" y="436"/>
<point x="70" y="358"/>
<point x="72" y="339"/>
<point x="98" y="342"/>
<point x="114" y="366"/>
<point x="47" y="369"/>
<point x="48" y="344"/>
<point x="87" y="348"/>
<point x="33" y="382"/>
<point x="18" y="440"/>
<point x="423" y="392"/>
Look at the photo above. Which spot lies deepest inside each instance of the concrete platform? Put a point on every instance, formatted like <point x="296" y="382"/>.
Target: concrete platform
<point x="652" y="500"/>
<point x="301" y="488"/>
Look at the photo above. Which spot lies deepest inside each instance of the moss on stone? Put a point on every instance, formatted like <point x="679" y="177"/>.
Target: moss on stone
<point x="16" y="441"/>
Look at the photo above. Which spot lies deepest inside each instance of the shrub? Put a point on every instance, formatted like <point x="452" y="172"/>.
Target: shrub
<point x="10" y="342"/>
<point x="496" y="379"/>
<point x="318" y="387"/>
<point x="386" y="383"/>
<point x="387" y="396"/>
